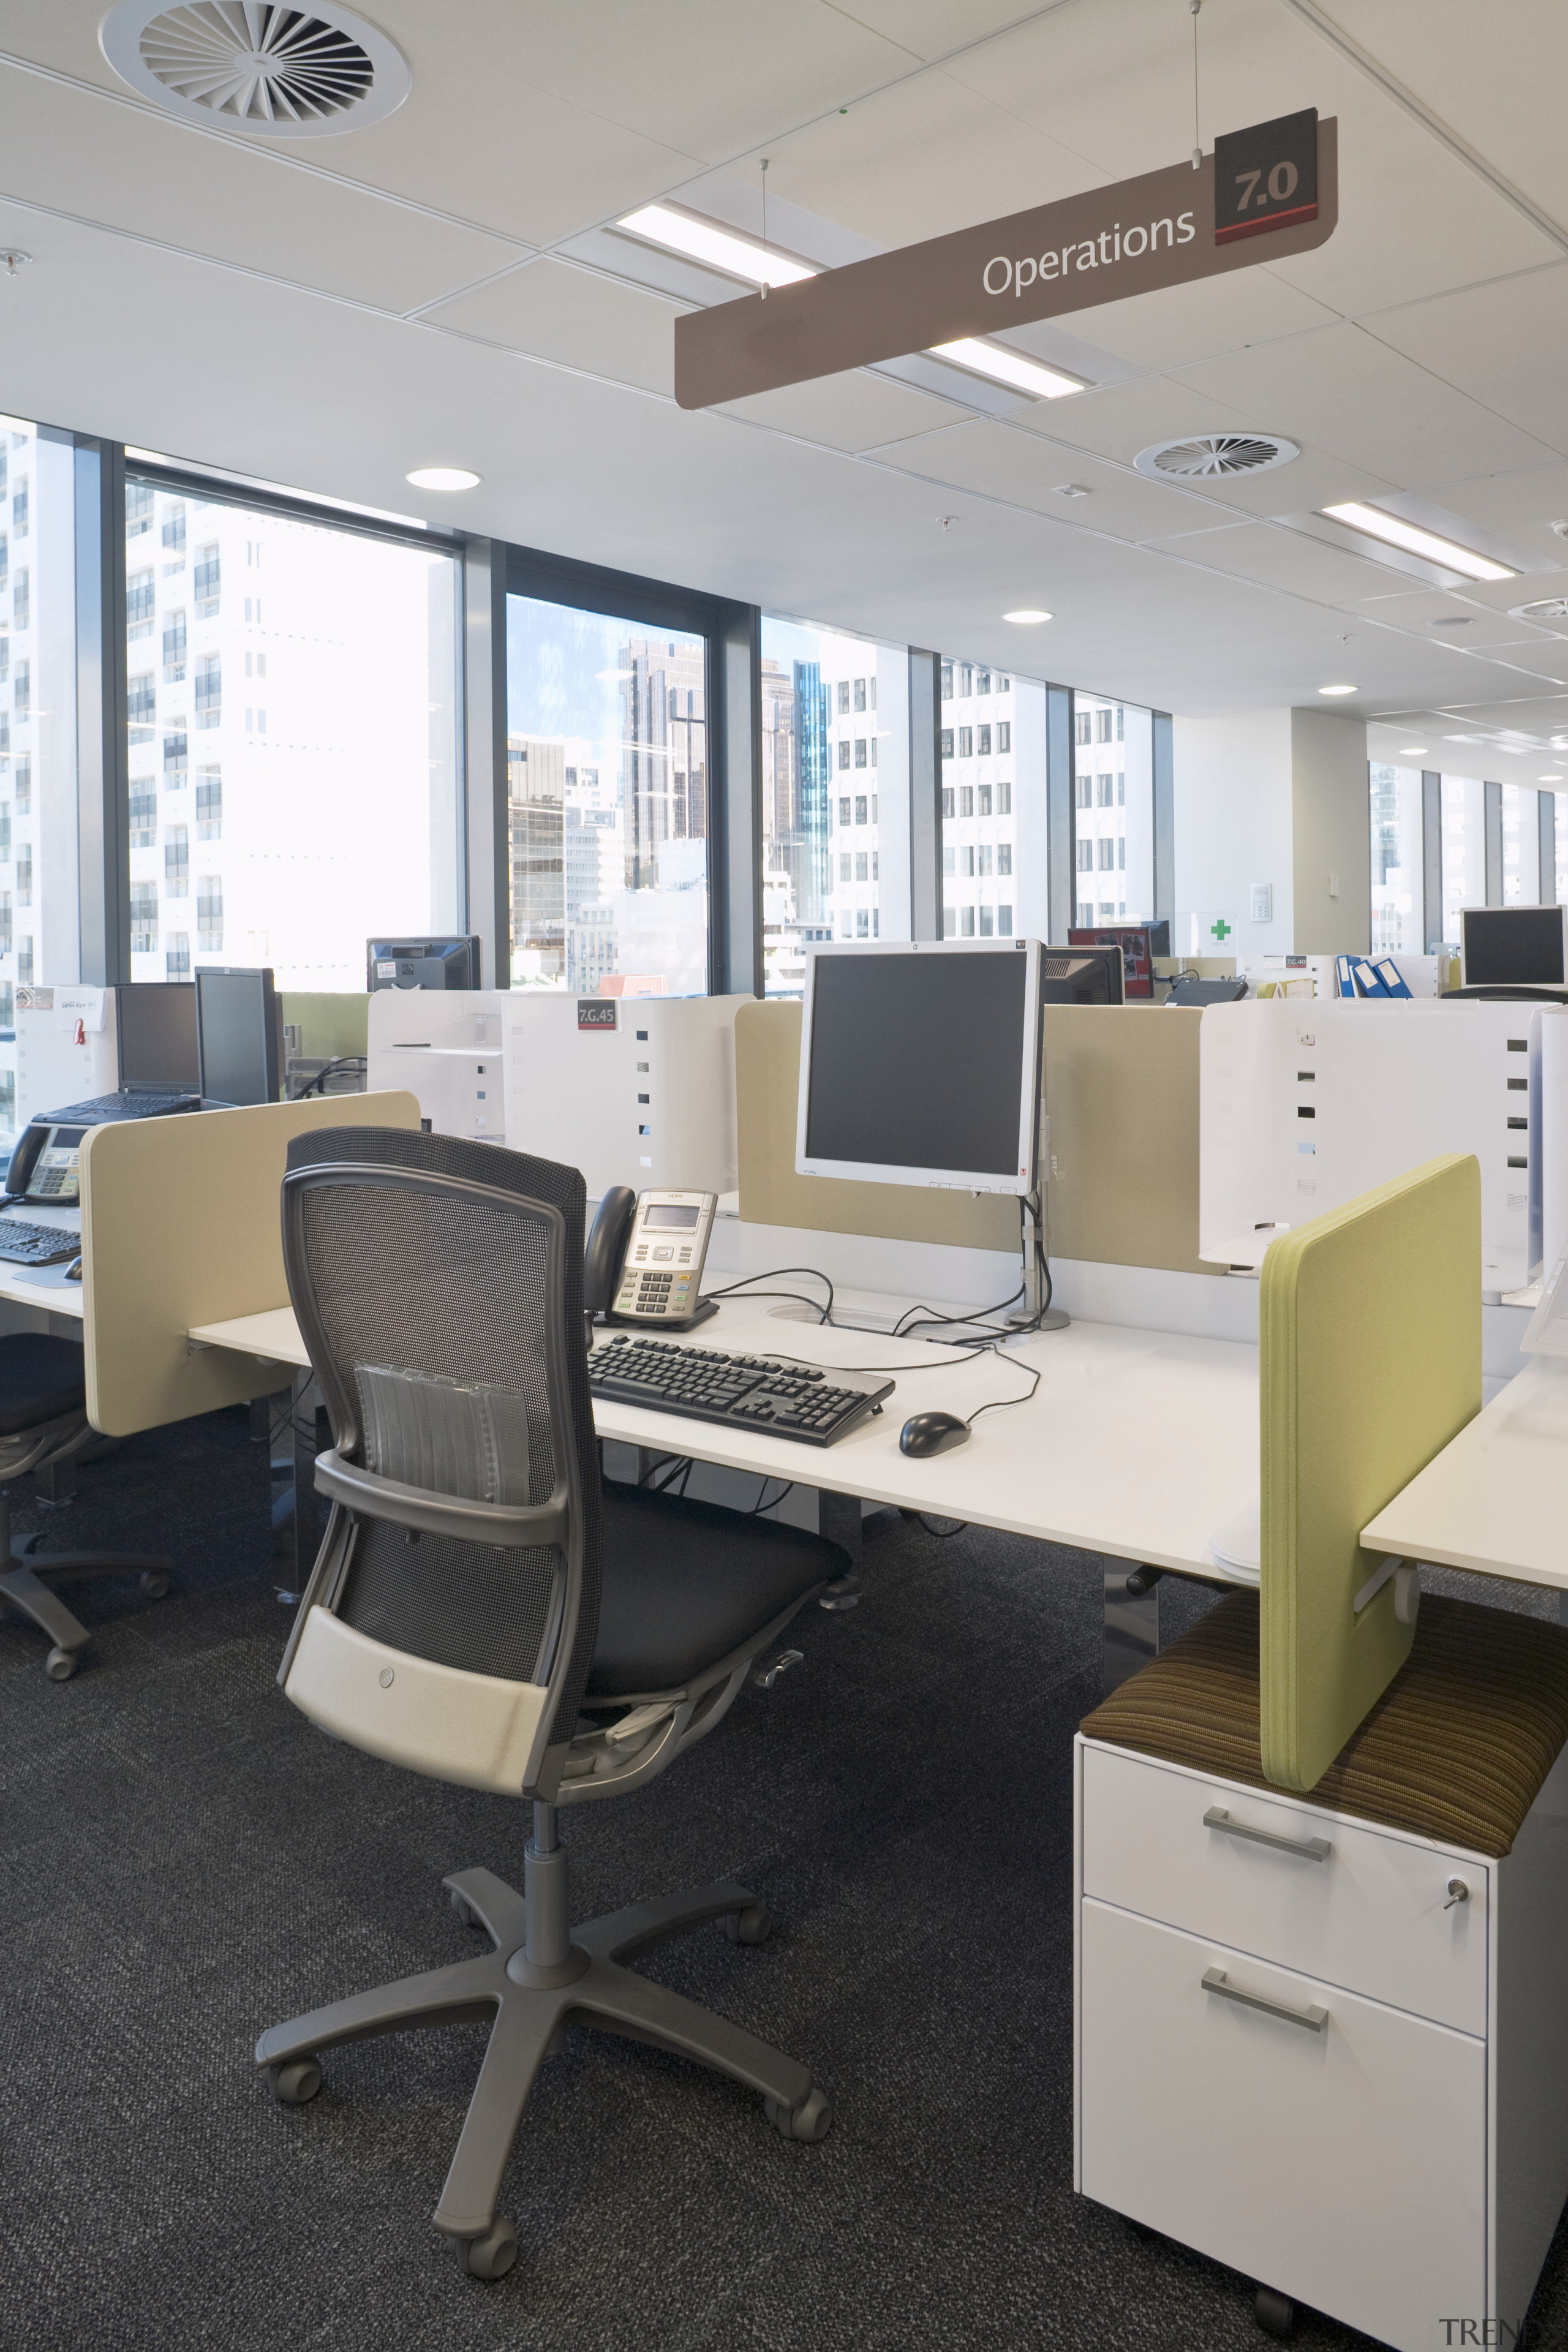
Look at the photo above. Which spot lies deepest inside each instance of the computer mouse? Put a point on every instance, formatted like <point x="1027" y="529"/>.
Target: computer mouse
<point x="73" y="1271"/>
<point x="932" y="1433"/>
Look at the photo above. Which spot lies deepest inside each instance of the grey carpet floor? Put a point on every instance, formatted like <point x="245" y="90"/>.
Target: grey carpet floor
<point x="185" y="1860"/>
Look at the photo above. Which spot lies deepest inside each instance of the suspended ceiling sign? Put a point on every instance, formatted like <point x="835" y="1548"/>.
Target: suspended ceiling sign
<point x="1264" y="192"/>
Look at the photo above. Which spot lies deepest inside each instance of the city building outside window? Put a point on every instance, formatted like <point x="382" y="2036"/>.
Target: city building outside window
<point x="1394" y="796"/>
<point x="1464" y="852"/>
<point x="1521" y="846"/>
<point x="608" y="782"/>
<point x="1113" y="805"/>
<point x="835" y="864"/>
<point x="994" y="806"/>
<point x="343" y="820"/>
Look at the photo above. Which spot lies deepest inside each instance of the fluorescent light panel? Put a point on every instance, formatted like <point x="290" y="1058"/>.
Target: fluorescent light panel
<point x="1417" y="541"/>
<point x="739" y="257"/>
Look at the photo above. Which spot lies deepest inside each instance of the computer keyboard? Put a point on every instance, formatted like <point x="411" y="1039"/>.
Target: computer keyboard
<point x="786" y="1400"/>
<point x="22" y="1245"/>
<point x="102" y="1109"/>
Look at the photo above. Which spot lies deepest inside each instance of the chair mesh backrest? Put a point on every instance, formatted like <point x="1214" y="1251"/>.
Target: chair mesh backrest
<point x="453" y="1290"/>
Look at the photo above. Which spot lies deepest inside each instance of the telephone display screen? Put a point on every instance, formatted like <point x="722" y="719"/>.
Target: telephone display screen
<point x="667" y="1216"/>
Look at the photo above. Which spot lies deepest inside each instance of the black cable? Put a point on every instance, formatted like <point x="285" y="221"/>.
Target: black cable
<point x="318" y="1085"/>
<point x="943" y="1535"/>
<point x="742" y="1289"/>
<point x="759" y="1506"/>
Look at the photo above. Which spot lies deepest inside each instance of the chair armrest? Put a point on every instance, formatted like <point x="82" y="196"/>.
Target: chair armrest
<point x="505" y="1525"/>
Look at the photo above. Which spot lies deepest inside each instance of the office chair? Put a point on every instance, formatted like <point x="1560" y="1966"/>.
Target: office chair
<point x="486" y="1609"/>
<point x="42" y="1426"/>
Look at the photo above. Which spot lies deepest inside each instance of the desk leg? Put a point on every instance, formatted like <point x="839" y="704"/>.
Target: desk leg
<point x="306" y="1438"/>
<point x="1132" y="1623"/>
<point x="838" y="1518"/>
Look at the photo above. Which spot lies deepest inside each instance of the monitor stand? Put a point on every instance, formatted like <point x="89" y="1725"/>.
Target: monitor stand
<point x="1028" y="1314"/>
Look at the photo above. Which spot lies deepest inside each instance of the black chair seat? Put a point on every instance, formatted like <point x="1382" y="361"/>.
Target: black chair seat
<point x="685" y="1583"/>
<point x="40" y="1380"/>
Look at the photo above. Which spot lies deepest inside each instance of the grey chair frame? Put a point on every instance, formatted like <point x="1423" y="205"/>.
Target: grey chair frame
<point x="544" y="1972"/>
<point x="27" y="1573"/>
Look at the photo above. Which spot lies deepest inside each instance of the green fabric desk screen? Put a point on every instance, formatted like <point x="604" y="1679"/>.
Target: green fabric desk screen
<point x="1370" y="1362"/>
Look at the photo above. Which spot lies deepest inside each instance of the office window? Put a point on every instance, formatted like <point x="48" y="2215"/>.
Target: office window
<point x="948" y="867"/>
<point x="843" y="873"/>
<point x="983" y="855"/>
<point x="1521" y="846"/>
<point x="987" y="921"/>
<point x="209" y="803"/>
<point x="209" y="915"/>
<point x="22" y="785"/>
<point x="144" y="812"/>
<point x="949" y="800"/>
<point x="1004" y="797"/>
<point x="947" y="682"/>
<point x="1085" y="856"/>
<point x="966" y="923"/>
<point x="966" y="862"/>
<point x="1081" y="726"/>
<point x="1013" y="809"/>
<point x="1085" y="916"/>
<point x="22" y="692"/>
<point x="1005" y="735"/>
<point x="983" y="799"/>
<point x="344" y="814"/>
<point x="966" y="742"/>
<point x="982" y="681"/>
<point x="966" y="800"/>
<point x="1004" y="857"/>
<point x="944" y="742"/>
<point x="1463" y="834"/>
<point x="802" y="886"/>
<point x="5" y="829"/>
<point x="1004" y="923"/>
<point x="27" y="970"/>
<point x="21" y="510"/>
<point x="1114" y="808"/>
<point x="6" y="922"/>
<point x="608" y="760"/>
<point x="4" y="559"/>
<point x="22" y="603"/>
<point x="144" y="917"/>
<point x="966" y="681"/>
<point x="1394" y="799"/>
<point x="140" y="597"/>
<point x="843" y="694"/>
<point x="24" y="874"/>
<point x="982" y="744"/>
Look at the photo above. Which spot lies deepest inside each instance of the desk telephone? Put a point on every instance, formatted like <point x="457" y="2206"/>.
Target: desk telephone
<point x="643" y="1259"/>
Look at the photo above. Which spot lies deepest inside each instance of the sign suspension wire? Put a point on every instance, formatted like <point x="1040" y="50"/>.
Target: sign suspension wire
<point x="1197" y="138"/>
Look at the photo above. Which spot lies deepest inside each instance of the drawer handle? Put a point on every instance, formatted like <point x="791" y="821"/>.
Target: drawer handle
<point x="1309" y="1849"/>
<point x="1313" y="2019"/>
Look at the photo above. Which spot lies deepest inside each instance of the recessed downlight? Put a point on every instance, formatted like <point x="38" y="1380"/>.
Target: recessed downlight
<point x="1414" y="752"/>
<point x="1549" y="779"/>
<point x="1026" y="616"/>
<point x="442" y="478"/>
<point x="1339" y="689"/>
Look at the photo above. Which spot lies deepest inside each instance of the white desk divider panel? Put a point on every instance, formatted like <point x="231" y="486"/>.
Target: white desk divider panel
<point x="65" y="1048"/>
<point x="1304" y="1105"/>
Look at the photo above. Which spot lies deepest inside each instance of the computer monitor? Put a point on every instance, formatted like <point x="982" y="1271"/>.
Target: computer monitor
<point x="422" y="963"/>
<point x="1082" y="976"/>
<point x="155" y="1036"/>
<point x="921" y="1064"/>
<point x="1140" y="944"/>
<point x="1514" y="947"/>
<point x="238" y="1035"/>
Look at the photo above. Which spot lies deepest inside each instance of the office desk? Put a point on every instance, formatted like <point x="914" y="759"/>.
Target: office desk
<point x="1493" y="1499"/>
<point x="1136" y="1444"/>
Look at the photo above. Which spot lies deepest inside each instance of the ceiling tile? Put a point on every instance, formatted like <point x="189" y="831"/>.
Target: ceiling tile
<point x="1277" y="557"/>
<point x="1018" y="466"/>
<point x="573" y="316"/>
<point x="1357" y="399"/>
<point x="1117" y="420"/>
<point x="1183" y="323"/>
<point x="150" y="176"/>
<point x="1505" y="344"/>
<point x="1481" y="626"/>
<point x="857" y="410"/>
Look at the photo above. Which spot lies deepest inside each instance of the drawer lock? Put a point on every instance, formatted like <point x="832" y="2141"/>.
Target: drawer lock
<point x="1457" y="1893"/>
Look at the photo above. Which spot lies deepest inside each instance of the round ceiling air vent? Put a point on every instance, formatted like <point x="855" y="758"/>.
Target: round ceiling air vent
<point x="1547" y="608"/>
<point x="295" y="73"/>
<point x="1215" y="457"/>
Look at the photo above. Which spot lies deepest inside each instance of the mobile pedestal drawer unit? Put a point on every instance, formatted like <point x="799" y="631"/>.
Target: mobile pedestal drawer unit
<point x="1324" y="2039"/>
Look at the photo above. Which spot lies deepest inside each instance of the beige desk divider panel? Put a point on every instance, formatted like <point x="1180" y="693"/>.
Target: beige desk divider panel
<point x="767" y="1088"/>
<point x="181" y="1225"/>
<point x="1123" y="1094"/>
<point x="330" y="1023"/>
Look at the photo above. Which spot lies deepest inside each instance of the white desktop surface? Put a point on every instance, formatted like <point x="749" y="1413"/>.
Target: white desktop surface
<point x="1138" y="1443"/>
<point x="1493" y="1499"/>
<point x="43" y="1286"/>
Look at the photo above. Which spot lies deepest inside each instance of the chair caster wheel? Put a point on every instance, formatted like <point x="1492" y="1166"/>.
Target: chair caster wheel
<point x="1274" y="2313"/>
<point x="60" y="1664"/>
<point x="809" y="2122"/>
<point x="489" y="2256"/>
<point x="154" y="1582"/>
<point x="295" y="2081"/>
<point x="755" y="1925"/>
<point x="465" y="1909"/>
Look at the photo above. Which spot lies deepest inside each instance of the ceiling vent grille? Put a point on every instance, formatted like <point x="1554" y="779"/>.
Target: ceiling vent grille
<point x="1548" y="608"/>
<point x="295" y="73"/>
<point x="1215" y="457"/>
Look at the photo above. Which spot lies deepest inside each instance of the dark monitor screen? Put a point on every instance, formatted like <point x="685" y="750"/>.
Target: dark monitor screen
<point x="1513" y="947"/>
<point x="1082" y="976"/>
<point x="917" y="1061"/>
<point x="155" y="1022"/>
<point x="237" y="1030"/>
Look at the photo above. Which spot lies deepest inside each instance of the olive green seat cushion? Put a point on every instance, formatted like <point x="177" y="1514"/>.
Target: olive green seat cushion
<point x="1455" y="1748"/>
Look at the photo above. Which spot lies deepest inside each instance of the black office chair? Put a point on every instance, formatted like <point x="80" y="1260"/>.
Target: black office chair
<point x="484" y="1609"/>
<point x="43" y="1426"/>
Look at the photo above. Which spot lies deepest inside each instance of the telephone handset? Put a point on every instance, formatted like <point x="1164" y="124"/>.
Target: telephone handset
<point x="46" y="1164"/>
<point x="644" y="1260"/>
